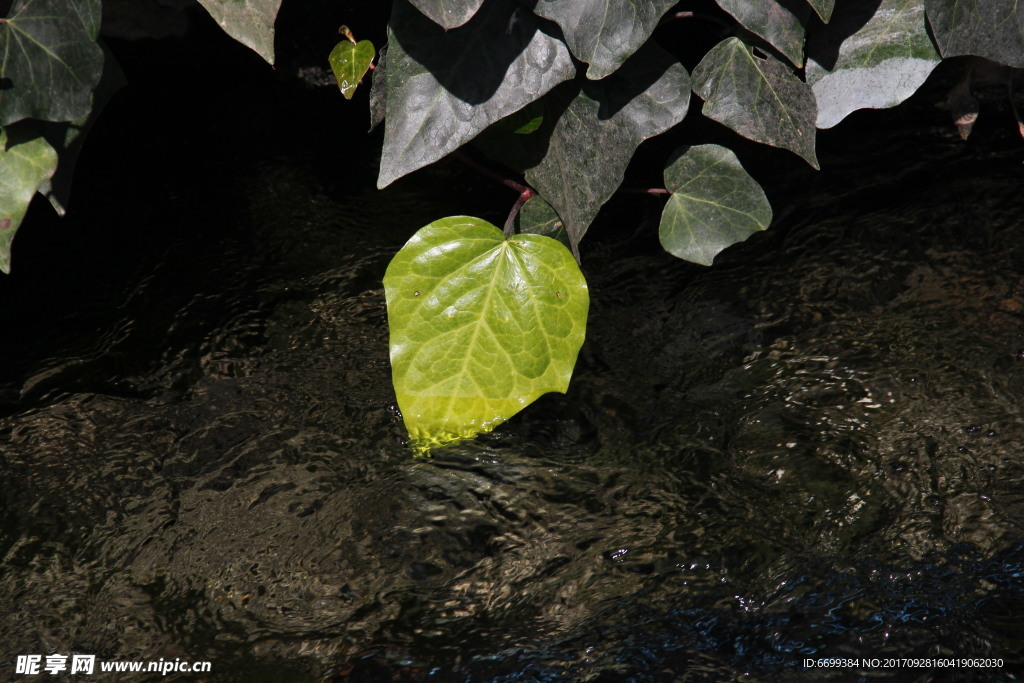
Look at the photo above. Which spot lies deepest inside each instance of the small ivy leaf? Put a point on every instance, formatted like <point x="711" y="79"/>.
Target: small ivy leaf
<point x="350" y="62"/>
<point x="761" y="99"/>
<point x="24" y="167"/>
<point x="714" y="204"/>
<point x="445" y="87"/>
<point x="50" y="59"/>
<point x="250" y="22"/>
<point x="869" y="60"/>
<point x="604" y="33"/>
<point x="525" y="121"/>
<point x="985" y="28"/>
<point x="448" y="13"/>
<point x="823" y="8"/>
<point x="538" y="218"/>
<point x="781" y="25"/>
<point x="481" y="326"/>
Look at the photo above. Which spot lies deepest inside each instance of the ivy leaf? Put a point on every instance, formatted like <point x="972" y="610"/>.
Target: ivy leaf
<point x="350" y="62"/>
<point x="759" y="98"/>
<point x="823" y="8"/>
<point x="445" y="87"/>
<point x="714" y="204"/>
<point x="50" y="59"/>
<point x="538" y="218"/>
<point x="379" y="89"/>
<point x="250" y="22"/>
<point x="781" y="26"/>
<point x="449" y="13"/>
<point x="993" y="29"/>
<point x="24" y="166"/>
<point x="604" y="33"/>
<point x="481" y="326"/>
<point x="869" y="60"/>
<point x="599" y="125"/>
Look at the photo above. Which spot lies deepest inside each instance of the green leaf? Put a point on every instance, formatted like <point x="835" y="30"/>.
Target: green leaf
<point x="604" y="33"/>
<point x="781" y="26"/>
<point x="445" y="87"/>
<point x="481" y="326"/>
<point x="714" y="204"/>
<point x="24" y="166"/>
<point x="869" y="60"/>
<point x="823" y="8"/>
<point x="50" y="59"/>
<point x="599" y="125"/>
<point x="250" y="22"/>
<point x="759" y="98"/>
<point x="993" y="29"/>
<point x="379" y="89"/>
<point x="449" y="13"/>
<point x="350" y="62"/>
<point x="536" y="217"/>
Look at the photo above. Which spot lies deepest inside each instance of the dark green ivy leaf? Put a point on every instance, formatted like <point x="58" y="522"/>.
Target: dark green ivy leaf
<point x="758" y="97"/>
<point x="379" y="89"/>
<point x="250" y="22"/>
<point x="714" y="204"/>
<point x="444" y="87"/>
<point x="865" y="60"/>
<point x="604" y="33"/>
<point x="781" y="26"/>
<point x="823" y="8"/>
<point x="993" y="29"/>
<point x="449" y="13"/>
<point x="600" y="125"/>
<point x="538" y="218"/>
<point x="51" y="61"/>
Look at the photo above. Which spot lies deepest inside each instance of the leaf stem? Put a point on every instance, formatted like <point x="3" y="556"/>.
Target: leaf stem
<point x="695" y="15"/>
<point x="641" y="190"/>
<point x="510" y="222"/>
<point x="483" y="170"/>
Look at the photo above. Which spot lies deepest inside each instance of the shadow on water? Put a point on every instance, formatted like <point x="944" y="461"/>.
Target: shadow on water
<point x="812" y="450"/>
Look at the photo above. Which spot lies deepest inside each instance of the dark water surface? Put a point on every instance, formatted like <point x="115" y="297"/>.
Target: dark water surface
<point x="813" y="449"/>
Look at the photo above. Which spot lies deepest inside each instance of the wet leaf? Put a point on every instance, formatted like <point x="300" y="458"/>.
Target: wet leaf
<point x="250" y="22"/>
<point x="481" y="326"/>
<point x="714" y="204"/>
<point x="50" y="59"/>
<point x="24" y="166"/>
<point x="869" y="60"/>
<point x="823" y="8"/>
<point x="604" y="33"/>
<point x="350" y="62"/>
<point x="598" y="126"/>
<point x="993" y="29"/>
<point x="759" y="98"/>
<point x="538" y="218"/>
<point x="449" y="13"/>
<point x="781" y="24"/>
<point x="436" y="103"/>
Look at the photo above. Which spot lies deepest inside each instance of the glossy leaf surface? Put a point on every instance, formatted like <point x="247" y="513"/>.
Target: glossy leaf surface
<point x="448" y="13"/>
<point x="759" y="98"/>
<point x="869" y="60"/>
<point x="50" y="59"/>
<point x="714" y="204"/>
<point x="779" y="24"/>
<point x="24" y="166"/>
<point x="993" y="29"/>
<point x="604" y="33"/>
<point x="250" y="22"/>
<point x="481" y="326"/>
<point x="445" y="87"/>
<point x="350" y="62"/>
<point x="599" y="126"/>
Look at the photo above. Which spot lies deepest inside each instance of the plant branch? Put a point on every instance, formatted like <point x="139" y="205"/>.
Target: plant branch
<point x="483" y="170"/>
<point x="641" y="190"/>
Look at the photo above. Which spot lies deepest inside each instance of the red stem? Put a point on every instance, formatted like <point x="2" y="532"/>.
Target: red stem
<point x="511" y="220"/>
<point x="483" y="170"/>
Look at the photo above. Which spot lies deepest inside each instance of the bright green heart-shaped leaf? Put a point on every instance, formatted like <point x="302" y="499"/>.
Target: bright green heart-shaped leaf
<point x="50" y="59"/>
<point x="24" y="166"/>
<point x="449" y="13"/>
<point x="536" y="217"/>
<point x="481" y="325"/>
<point x="993" y="29"/>
<point x="868" y="59"/>
<point x="350" y="62"/>
<point x="714" y="204"/>
<point x="781" y="24"/>
<point x="250" y="22"/>
<point x="759" y="98"/>
<point x="604" y="33"/>
<point x="823" y="8"/>
<point x="445" y="87"/>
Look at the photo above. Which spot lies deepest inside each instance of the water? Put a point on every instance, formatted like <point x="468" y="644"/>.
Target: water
<point x="813" y="449"/>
